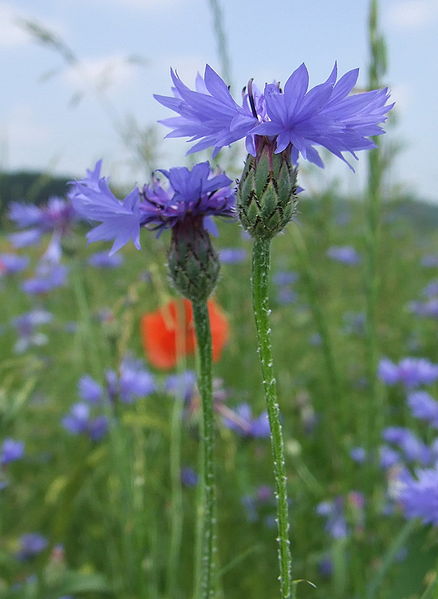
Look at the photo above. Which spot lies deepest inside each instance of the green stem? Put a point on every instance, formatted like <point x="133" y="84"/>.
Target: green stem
<point x="260" y="290"/>
<point x="205" y="583"/>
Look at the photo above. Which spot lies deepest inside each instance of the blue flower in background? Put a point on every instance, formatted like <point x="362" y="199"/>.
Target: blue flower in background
<point x="56" y="217"/>
<point x="232" y="255"/>
<point x="345" y="254"/>
<point x="192" y="193"/>
<point x="424" y="407"/>
<point x="241" y="421"/>
<point x="418" y="494"/>
<point x="10" y="451"/>
<point x="104" y="260"/>
<point x="31" y="544"/>
<point x="49" y="275"/>
<point x="26" y="324"/>
<point x="11" y="264"/>
<point x="410" y="372"/>
<point x="294" y="118"/>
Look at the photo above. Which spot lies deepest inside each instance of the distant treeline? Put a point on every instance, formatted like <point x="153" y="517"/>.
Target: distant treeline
<point x="31" y="187"/>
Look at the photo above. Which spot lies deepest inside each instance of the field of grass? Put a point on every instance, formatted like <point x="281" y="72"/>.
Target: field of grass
<point x="117" y="517"/>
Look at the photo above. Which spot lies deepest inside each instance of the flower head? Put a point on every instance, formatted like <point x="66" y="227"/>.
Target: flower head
<point x="294" y="118"/>
<point x="419" y="495"/>
<point x="242" y="422"/>
<point x="31" y="544"/>
<point x="11" y="263"/>
<point x="10" y="451"/>
<point x="190" y="193"/>
<point x="410" y="372"/>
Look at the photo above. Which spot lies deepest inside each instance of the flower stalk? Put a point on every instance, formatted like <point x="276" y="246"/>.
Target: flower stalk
<point x="205" y="550"/>
<point x="260" y="296"/>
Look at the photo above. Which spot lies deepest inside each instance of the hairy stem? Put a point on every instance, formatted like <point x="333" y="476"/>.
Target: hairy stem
<point x="260" y="289"/>
<point x="205" y="579"/>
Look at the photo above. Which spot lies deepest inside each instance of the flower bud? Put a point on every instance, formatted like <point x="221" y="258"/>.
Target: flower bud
<point x="266" y="195"/>
<point x="193" y="263"/>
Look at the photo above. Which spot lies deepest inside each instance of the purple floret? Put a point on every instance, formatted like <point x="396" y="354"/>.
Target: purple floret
<point x="11" y="450"/>
<point x="419" y="495"/>
<point x="90" y="390"/>
<point x="49" y="275"/>
<point x="104" y="260"/>
<point x="413" y="449"/>
<point x="345" y="254"/>
<point x="31" y="544"/>
<point x="410" y="372"/>
<point x="424" y="407"/>
<point x="11" y="263"/>
<point x="294" y="118"/>
<point x="241" y="421"/>
<point x="190" y="194"/>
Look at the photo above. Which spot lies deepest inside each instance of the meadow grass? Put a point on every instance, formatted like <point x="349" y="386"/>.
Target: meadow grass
<point x="109" y="503"/>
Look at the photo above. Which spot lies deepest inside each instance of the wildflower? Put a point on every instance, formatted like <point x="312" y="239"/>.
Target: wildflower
<point x="25" y="325"/>
<point x="131" y="382"/>
<point x="241" y="421"/>
<point x="31" y="544"/>
<point x="49" y="276"/>
<point x="294" y="118"/>
<point x="79" y="421"/>
<point x="334" y="512"/>
<point x="358" y="455"/>
<point x="430" y="261"/>
<point x="89" y="389"/>
<point x="11" y="263"/>
<point x="285" y="277"/>
<point x="424" y="407"/>
<point x="55" y="217"/>
<point x="182" y="385"/>
<point x="428" y="309"/>
<point x="232" y="255"/>
<point x="410" y="372"/>
<point x="168" y="335"/>
<point x="413" y="449"/>
<point x="11" y="450"/>
<point x="389" y="457"/>
<point x="419" y="495"/>
<point x="191" y="193"/>
<point x="189" y="478"/>
<point x="104" y="260"/>
<point x="345" y="254"/>
<point x="430" y="290"/>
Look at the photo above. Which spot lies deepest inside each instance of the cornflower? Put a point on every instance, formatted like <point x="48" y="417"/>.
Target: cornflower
<point x="185" y="207"/>
<point x="279" y="126"/>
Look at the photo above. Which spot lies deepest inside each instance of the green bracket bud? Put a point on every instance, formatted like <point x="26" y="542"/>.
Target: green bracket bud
<point x="193" y="263"/>
<point x="266" y="195"/>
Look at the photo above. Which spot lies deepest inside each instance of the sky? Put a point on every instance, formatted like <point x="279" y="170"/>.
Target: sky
<point x="130" y="45"/>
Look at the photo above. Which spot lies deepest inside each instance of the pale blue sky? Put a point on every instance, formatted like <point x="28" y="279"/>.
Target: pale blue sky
<point x="267" y="40"/>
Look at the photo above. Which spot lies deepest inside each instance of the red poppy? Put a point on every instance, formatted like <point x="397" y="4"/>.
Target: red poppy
<point x="169" y="332"/>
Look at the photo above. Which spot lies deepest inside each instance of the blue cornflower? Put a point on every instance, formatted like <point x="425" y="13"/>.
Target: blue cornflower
<point x="56" y="217"/>
<point x="31" y="544"/>
<point x="183" y="385"/>
<point x="11" y="263"/>
<point x="424" y="407"/>
<point x="49" y="275"/>
<point x="232" y="255"/>
<point x="428" y="309"/>
<point x="410" y="372"/>
<point x="10" y="451"/>
<point x="334" y="512"/>
<point x="413" y="448"/>
<point x="345" y="254"/>
<point x="104" y="260"/>
<point x="293" y="118"/>
<point x="26" y="324"/>
<point x="241" y="421"/>
<point x="419" y="495"/>
<point x="189" y="477"/>
<point x="430" y="260"/>
<point x="79" y="421"/>
<point x="191" y="194"/>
